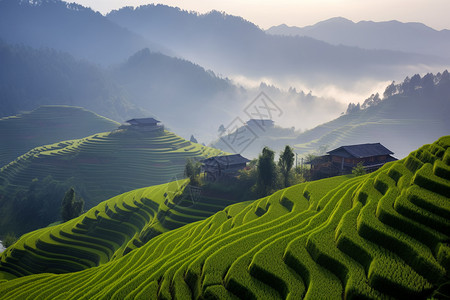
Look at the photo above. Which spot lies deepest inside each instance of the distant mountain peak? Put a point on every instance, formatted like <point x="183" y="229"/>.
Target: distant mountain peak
<point x="408" y="37"/>
<point x="341" y="20"/>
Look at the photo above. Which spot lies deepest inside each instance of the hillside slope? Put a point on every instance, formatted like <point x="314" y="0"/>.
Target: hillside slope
<point x="47" y="125"/>
<point x="68" y="27"/>
<point x="380" y="235"/>
<point x="99" y="167"/>
<point x="34" y="77"/>
<point x="412" y="113"/>
<point x="109" y="230"/>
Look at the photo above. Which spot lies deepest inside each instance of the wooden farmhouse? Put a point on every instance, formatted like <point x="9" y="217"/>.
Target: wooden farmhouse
<point x="143" y="124"/>
<point x="225" y="166"/>
<point x="343" y="159"/>
<point x="260" y="123"/>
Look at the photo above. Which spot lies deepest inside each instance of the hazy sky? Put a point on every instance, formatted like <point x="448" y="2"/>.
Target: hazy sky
<point x="266" y="13"/>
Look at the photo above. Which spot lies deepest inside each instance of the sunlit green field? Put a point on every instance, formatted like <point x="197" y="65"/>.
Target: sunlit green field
<point x="380" y="235"/>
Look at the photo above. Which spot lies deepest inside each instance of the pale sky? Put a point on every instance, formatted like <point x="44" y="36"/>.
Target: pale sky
<point x="267" y="13"/>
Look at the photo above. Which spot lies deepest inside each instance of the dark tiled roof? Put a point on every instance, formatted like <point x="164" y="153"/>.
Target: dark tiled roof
<point x="260" y="122"/>
<point x="361" y="150"/>
<point x="226" y="160"/>
<point x="143" y="121"/>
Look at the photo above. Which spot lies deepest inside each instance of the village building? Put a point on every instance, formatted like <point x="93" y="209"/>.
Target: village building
<point x="222" y="167"/>
<point x="143" y="124"/>
<point x="343" y="159"/>
<point x="260" y="123"/>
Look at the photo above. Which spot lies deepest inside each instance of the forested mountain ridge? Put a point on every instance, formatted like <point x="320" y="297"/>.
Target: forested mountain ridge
<point x="31" y="77"/>
<point x="68" y="27"/>
<point x="408" y="114"/>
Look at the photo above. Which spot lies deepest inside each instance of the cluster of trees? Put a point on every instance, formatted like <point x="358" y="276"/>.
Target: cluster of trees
<point x="71" y="206"/>
<point x="36" y="206"/>
<point x="41" y="202"/>
<point x="192" y="171"/>
<point x="408" y="87"/>
<point x="262" y="176"/>
<point x="270" y="176"/>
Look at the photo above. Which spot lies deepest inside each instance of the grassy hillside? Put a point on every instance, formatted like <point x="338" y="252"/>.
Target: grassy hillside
<point x="415" y="114"/>
<point x="376" y="236"/>
<point x="47" y="125"/>
<point x="99" y="167"/>
<point x="108" y="231"/>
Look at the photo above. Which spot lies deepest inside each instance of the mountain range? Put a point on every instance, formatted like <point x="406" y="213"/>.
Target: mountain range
<point x="68" y="27"/>
<point x="185" y="96"/>
<point x="389" y="35"/>
<point x="231" y="45"/>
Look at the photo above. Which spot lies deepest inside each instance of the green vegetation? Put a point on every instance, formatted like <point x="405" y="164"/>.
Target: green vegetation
<point x="380" y="235"/>
<point x="98" y="167"/>
<point x="359" y="169"/>
<point x="192" y="171"/>
<point x="266" y="172"/>
<point x="9" y="240"/>
<point x="47" y="125"/>
<point x="71" y="206"/>
<point x="286" y="162"/>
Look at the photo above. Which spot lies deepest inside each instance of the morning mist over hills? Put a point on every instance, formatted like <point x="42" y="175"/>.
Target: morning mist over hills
<point x="217" y="58"/>
<point x="181" y="151"/>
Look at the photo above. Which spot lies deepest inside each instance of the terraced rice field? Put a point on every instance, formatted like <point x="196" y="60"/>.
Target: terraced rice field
<point x="378" y="236"/>
<point x="106" y="164"/>
<point x="46" y="125"/>
<point x="108" y="231"/>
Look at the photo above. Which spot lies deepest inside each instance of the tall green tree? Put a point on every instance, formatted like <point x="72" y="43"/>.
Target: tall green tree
<point x="9" y="239"/>
<point x="286" y="162"/>
<point x="71" y="206"/>
<point x="192" y="170"/>
<point x="266" y="172"/>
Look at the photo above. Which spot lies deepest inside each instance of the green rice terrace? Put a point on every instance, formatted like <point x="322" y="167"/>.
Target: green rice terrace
<point x="100" y="166"/>
<point x="47" y="125"/>
<point x="378" y="236"/>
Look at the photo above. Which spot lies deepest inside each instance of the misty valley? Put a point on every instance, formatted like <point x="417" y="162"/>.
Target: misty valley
<point x="154" y="152"/>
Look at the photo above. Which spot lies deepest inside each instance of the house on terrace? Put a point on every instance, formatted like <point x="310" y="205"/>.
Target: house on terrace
<point x="343" y="159"/>
<point x="143" y="124"/>
<point x="224" y="166"/>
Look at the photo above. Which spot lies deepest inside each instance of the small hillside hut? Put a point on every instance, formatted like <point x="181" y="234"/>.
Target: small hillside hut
<point x="343" y="159"/>
<point x="144" y="124"/>
<point x="225" y="166"/>
<point x="263" y="123"/>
